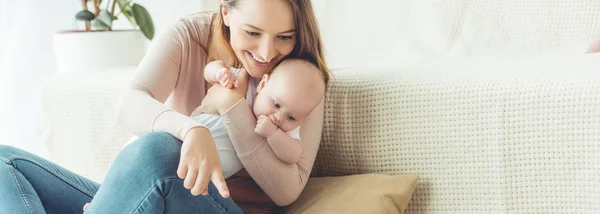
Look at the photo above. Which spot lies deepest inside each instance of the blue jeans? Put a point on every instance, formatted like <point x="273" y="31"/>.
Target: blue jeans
<point x="142" y="179"/>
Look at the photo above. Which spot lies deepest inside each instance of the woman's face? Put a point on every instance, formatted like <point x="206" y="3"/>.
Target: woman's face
<point x="262" y="33"/>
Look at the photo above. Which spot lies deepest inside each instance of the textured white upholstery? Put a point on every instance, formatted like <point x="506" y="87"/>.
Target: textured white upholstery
<point x="77" y="120"/>
<point x="485" y="136"/>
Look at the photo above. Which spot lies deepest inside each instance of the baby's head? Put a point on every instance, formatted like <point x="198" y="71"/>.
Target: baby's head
<point x="289" y="93"/>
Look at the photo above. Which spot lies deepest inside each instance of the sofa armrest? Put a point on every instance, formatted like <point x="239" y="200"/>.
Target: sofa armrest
<point x="77" y="122"/>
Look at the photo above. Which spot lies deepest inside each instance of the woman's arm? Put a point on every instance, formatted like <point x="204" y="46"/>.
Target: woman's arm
<point x="285" y="147"/>
<point x="140" y="108"/>
<point x="283" y="182"/>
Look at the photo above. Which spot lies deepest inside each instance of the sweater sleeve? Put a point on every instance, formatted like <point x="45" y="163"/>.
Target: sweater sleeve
<point x="283" y="182"/>
<point x="141" y="107"/>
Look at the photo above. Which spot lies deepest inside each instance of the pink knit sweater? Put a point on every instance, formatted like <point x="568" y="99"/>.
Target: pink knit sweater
<point x="169" y="85"/>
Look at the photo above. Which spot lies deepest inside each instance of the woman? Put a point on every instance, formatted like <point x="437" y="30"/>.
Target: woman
<point x="176" y="156"/>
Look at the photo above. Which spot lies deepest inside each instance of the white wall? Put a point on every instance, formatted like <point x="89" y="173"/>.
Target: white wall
<point x="27" y="59"/>
<point x="165" y="12"/>
<point x="387" y="33"/>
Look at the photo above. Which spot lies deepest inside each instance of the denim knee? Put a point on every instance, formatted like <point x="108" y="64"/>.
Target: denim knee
<point x="154" y="152"/>
<point x="8" y="152"/>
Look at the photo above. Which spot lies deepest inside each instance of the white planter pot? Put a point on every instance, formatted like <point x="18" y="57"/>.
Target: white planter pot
<point x="79" y="51"/>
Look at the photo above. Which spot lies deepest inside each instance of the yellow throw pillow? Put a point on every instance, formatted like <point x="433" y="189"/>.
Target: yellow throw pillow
<point x="364" y="193"/>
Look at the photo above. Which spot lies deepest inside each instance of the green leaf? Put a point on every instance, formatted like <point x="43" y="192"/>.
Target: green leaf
<point x="84" y="15"/>
<point x="123" y="2"/>
<point x="99" y="25"/>
<point x="144" y="21"/>
<point x="103" y="21"/>
<point x="125" y="7"/>
<point x="105" y="18"/>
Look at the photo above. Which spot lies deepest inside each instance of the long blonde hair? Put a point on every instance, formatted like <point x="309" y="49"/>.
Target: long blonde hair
<point x="308" y="43"/>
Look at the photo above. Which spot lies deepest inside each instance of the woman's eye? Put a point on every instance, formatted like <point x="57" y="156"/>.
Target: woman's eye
<point x="250" y="33"/>
<point x="285" y="38"/>
<point x="276" y="104"/>
<point x="290" y="118"/>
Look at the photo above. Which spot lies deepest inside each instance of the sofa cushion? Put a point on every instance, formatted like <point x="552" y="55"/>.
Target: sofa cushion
<point x="365" y="193"/>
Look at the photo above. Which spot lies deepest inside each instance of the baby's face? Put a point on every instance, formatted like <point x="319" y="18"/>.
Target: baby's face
<point x="286" y="99"/>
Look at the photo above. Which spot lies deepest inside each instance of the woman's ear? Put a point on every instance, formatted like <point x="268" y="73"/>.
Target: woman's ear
<point x="224" y="13"/>
<point x="262" y="83"/>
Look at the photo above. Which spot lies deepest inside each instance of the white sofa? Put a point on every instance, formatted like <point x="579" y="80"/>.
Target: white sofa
<point x="492" y="103"/>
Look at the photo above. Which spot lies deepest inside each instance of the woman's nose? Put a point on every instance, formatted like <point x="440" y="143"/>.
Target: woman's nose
<point x="267" y="49"/>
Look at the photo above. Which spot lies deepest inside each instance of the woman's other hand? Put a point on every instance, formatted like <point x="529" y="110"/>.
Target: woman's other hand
<point x="200" y="163"/>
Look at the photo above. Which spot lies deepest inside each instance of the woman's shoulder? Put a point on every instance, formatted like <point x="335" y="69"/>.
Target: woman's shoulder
<point x="200" y="19"/>
<point x="197" y="26"/>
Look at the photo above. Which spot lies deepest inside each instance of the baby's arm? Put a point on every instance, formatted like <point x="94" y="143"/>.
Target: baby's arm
<point x="212" y="69"/>
<point x="285" y="147"/>
<point x="217" y="72"/>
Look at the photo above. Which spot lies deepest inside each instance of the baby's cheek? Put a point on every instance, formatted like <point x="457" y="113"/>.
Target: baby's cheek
<point x="287" y="127"/>
<point x="259" y="109"/>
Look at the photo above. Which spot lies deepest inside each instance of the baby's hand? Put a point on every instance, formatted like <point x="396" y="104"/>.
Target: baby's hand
<point x="264" y="126"/>
<point x="226" y="78"/>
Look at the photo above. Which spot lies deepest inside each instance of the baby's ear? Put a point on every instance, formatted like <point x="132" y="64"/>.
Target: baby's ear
<point x="262" y="83"/>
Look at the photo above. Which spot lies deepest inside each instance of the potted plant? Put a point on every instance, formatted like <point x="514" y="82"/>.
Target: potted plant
<point x="98" y="46"/>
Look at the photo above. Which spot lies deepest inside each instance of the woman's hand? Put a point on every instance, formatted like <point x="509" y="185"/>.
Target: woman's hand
<point x="200" y="163"/>
<point x="220" y="99"/>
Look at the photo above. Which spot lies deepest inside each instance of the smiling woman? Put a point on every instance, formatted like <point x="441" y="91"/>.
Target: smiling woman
<point x="255" y="48"/>
<point x="258" y="42"/>
<point x="175" y="155"/>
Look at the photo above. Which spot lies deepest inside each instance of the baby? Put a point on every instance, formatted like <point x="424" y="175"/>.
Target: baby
<point x="280" y="101"/>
